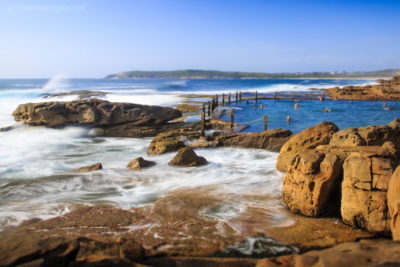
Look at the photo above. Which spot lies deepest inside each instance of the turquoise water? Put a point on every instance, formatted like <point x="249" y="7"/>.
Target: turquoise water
<point x="310" y="112"/>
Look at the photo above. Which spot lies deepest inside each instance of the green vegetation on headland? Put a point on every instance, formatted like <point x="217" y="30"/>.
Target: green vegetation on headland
<point x="212" y="74"/>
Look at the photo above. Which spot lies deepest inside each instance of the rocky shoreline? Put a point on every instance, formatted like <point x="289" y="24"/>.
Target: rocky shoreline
<point x="386" y="90"/>
<point x="340" y="188"/>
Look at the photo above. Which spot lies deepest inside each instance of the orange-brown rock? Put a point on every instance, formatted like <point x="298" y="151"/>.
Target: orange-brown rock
<point x="186" y="157"/>
<point x="272" y="140"/>
<point x="171" y="141"/>
<point x="185" y="108"/>
<point x="366" y="177"/>
<point x="94" y="112"/>
<point x="140" y="163"/>
<point x="384" y="90"/>
<point x="90" y="168"/>
<point x="311" y="179"/>
<point x="367" y="136"/>
<point x="319" y="134"/>
<point x="375" y="252"/>
<point x="393" y="201"/>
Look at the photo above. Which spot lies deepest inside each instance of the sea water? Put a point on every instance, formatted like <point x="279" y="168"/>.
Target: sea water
<point x="34" y="161"/>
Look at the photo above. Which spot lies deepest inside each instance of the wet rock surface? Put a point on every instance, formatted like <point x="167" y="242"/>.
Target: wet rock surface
<point x="94" y="112"/>
<point x="271" y="140"/>
<point x="184" y="223"/>
<point x="140" y="163"/>
<point x="186" y="157"/>
<point x="171" y="141"/>
<point x="91" y="168"/>
<point x="364" y="253"/>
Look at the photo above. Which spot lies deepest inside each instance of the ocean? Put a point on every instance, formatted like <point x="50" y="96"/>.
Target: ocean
<point x="34" y="182"/>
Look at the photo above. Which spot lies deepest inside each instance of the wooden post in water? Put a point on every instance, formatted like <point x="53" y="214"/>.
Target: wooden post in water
<point x="231" y="121"/>
<point x="265" y="122"/>
<point x="292" y="96"/>
<point x="204" y="108"/>
<point x="240" y="96"/>
<point x="223" y="99"/>
<point x="229" y="98"/>
<point x="213" y="105"/>
<point x="216" y="100"/>
<point x="274" y="95"/>
<point x="237" y="96"/>
<point x="209" y="108"/>
<point x="256" y="98"/>
<point x="203" y="123"/>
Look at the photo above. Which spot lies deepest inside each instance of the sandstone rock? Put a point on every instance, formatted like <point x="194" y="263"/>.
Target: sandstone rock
<point x="310" y="181"/>
<point x="366" y="177"/>
<point x="373" y="252"/>
<point x="271" y="139"/>
<point x="395" y="124"/>
<point x="188" y="158"/>
<point x="171" y="141"/>
<point x="384" y="90"/>
<point x="90" y="168"/>
<point x="319" y="134"/>
<point x="393" y="201"/>
<point x="94" y="112"/>
<point x="140" y="163"/>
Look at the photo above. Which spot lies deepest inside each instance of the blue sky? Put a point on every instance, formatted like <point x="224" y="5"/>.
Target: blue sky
<point x="93" y="38"/>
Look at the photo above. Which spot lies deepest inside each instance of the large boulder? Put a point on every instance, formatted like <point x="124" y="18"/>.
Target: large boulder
<point x="171" y="141"/>
<point x="365" y="183"/>
<point x="319" y="134"/>
<point x="271" y="139"/>
<point x="140" y="163"/>
<point x="94" y="112"/>
<point x="187" y="157"/>
<point x="310" y="181"/>
<point x="393" y="201"/>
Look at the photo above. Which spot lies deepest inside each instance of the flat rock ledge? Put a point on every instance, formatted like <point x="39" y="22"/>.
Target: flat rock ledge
<point x="93" y="112"/>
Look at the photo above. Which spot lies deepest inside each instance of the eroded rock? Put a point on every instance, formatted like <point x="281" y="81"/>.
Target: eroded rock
<point x="94" y="112"/>
<point x="171" y="141"/>
<point x="319" y="134"/>
<point x="393" y="200"/>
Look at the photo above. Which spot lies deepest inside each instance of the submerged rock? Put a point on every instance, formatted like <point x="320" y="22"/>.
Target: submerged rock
<point x="90" y="168"/>
<point x="258" y="247"/>
<point x="186" y="157"/>
<point x="140" y="163"/>
<point x="319" y="134"/>
<point x="94" y="112"/>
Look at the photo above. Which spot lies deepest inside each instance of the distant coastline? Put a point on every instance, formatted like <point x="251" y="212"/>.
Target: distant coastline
<point x="211" y="74"/>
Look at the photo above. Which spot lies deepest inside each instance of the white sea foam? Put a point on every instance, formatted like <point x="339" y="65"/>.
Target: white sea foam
<point x="33" y="162"/>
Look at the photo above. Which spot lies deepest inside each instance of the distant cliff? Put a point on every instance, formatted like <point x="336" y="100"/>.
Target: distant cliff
<point x="213" y="74"/>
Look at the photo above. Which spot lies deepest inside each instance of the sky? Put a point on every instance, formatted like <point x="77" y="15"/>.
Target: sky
<point x="94" y="38"/>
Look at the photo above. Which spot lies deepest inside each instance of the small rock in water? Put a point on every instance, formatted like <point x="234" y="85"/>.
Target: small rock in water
<point x="140" y="163"/>
<point x="259" y="247"/>
<point x="188" y="158"/>
<point x="90" y="168"/>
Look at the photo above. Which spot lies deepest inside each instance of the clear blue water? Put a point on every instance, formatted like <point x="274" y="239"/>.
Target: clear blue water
<point x="310" y="113"/>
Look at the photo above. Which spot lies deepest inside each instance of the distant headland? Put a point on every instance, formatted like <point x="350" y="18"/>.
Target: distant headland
<point x="213" y="74"/>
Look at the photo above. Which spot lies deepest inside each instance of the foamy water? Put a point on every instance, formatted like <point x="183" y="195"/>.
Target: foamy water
<point x="34" y="161"/>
